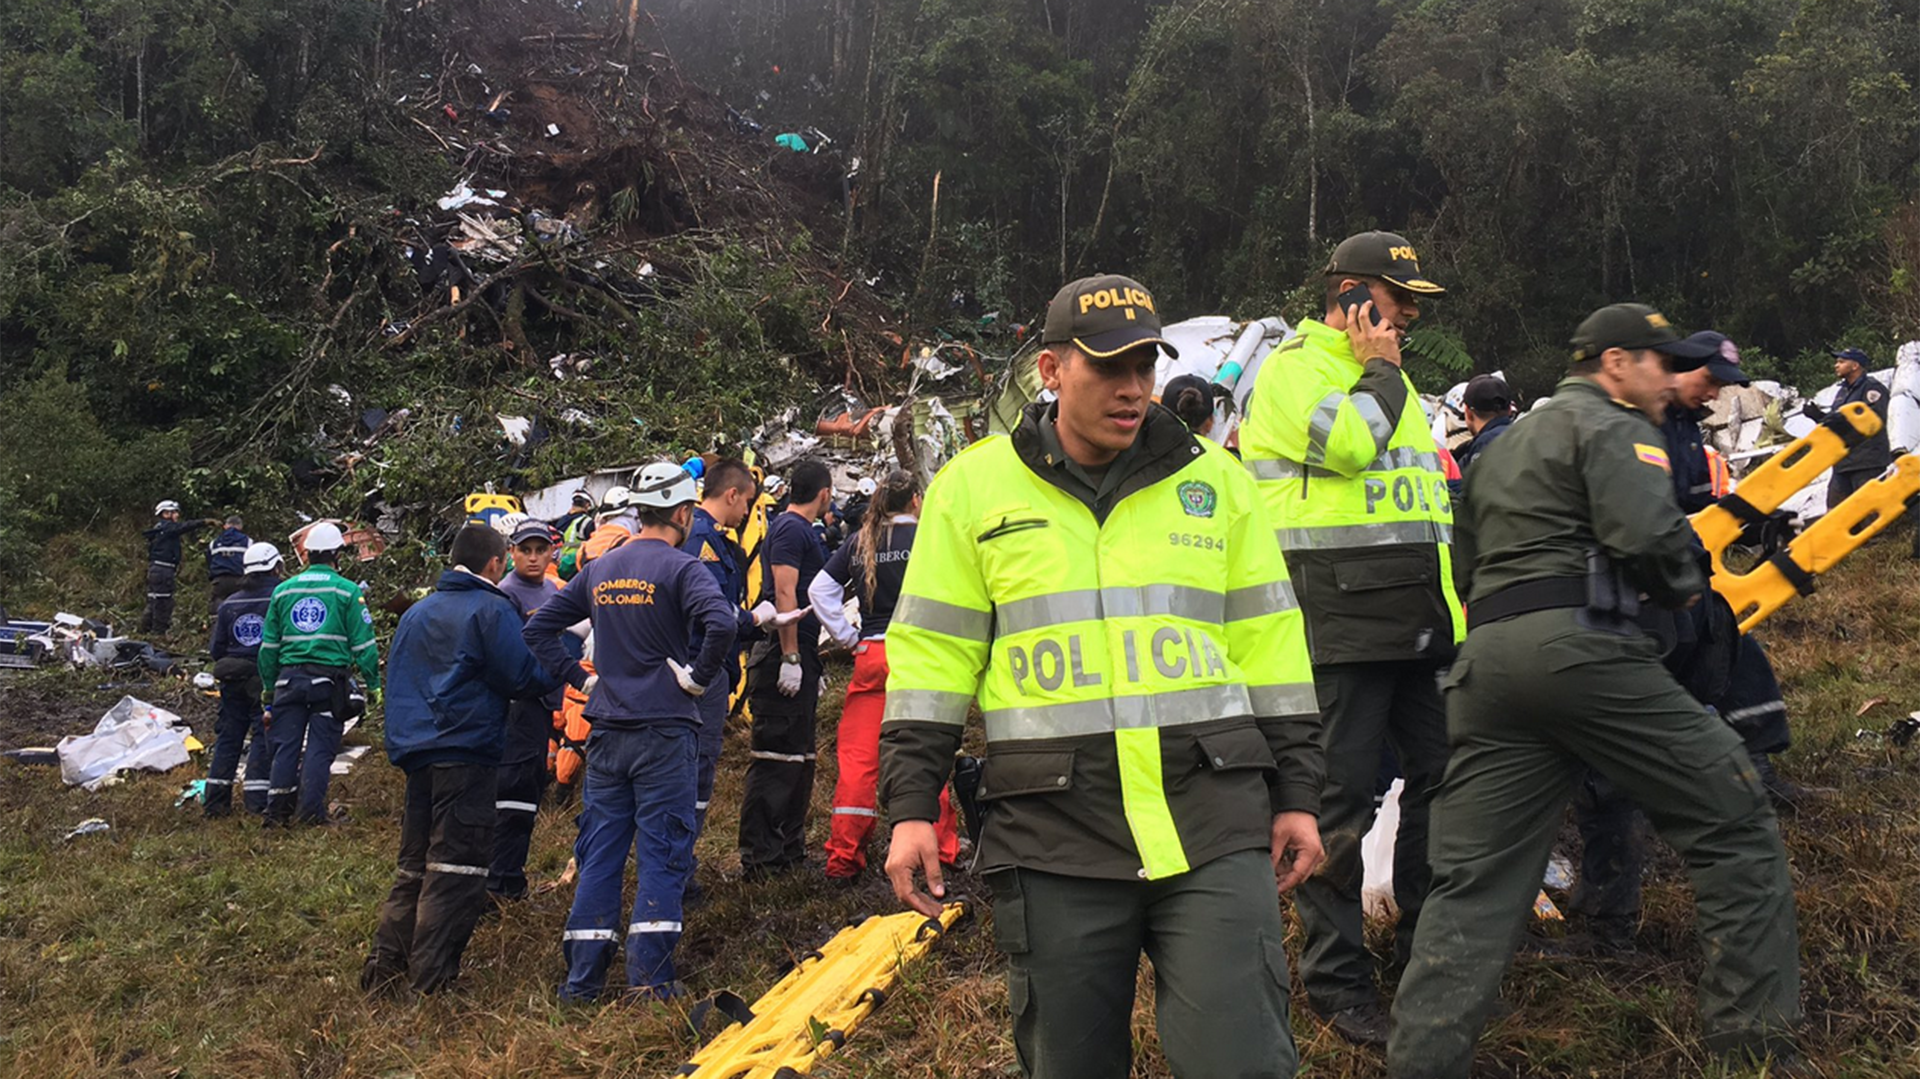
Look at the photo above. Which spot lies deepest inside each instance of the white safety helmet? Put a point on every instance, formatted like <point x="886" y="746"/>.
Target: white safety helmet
<point x="166" y="506"/>
<point x="663" y="485"/>
<point x="618" y="498"/>
<point x="325" y="536"/>
<point x="866" y="486"/>
<point x="261" y="557"/>
<point x="507" y="523"/>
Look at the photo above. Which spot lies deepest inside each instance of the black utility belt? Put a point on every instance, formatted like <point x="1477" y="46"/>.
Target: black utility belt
<point x="1551" y="594"/>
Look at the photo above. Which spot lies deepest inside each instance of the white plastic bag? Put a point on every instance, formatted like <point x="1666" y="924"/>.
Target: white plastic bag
<point x="1376" y="854"/>
<point x="133" y="734"/>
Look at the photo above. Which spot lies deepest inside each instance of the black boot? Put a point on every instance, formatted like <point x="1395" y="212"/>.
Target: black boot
<point x="1787" y="796"/>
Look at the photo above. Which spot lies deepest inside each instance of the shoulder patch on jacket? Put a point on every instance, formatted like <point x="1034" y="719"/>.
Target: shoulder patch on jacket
<point x="707" y="553"/>
<point x="1652" y="455"/>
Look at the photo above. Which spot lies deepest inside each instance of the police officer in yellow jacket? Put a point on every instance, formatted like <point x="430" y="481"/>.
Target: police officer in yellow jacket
<point x="1348" y="469"/>
<point x="1106" y="586"/>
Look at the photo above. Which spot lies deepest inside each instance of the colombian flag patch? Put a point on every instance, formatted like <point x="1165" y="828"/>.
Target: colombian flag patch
<point x="1652" y="455"/>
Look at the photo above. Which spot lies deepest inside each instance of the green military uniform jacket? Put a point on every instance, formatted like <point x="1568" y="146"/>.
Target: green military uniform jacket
<point x="1136" y="650"/>
<point x="318" y="617"/>
<point x="1605" y="465"/>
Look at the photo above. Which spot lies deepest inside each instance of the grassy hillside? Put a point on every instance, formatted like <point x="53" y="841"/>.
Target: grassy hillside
<point x="176" y="947"/>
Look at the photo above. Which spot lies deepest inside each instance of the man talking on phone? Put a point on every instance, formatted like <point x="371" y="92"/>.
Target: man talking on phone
<point x="1346" y="464"/>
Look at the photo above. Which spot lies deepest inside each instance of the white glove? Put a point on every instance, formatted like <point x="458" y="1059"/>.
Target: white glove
<point x="851" y="641"/>
<point x="790" y="679"/>
<point x="764" y="613"/>
<point x="788" y="618"/>
<point x="586" y="690"/>
<point x="683" y="674"/>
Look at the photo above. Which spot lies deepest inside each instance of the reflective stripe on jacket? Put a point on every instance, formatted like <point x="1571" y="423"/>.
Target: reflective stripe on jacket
<point x="319" y="618"/>
<point x="226" y="555"/>
<point x="1144" y="680"/>
<point x="1349" y="472"/>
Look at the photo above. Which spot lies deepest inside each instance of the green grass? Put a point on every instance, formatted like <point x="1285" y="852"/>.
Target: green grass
<point x="177" y="947"/>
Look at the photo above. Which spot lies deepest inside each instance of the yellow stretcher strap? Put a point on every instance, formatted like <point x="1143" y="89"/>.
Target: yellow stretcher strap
<point x="808" y="1014"/>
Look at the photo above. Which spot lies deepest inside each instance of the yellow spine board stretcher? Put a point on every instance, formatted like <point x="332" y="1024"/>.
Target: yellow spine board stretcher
<point x="1865" y="514"/>
<point x="752" y="536"/>
<point x="808" y="1014"/>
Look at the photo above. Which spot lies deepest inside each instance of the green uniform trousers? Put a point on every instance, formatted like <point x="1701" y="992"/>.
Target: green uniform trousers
<point x="1215" y="937"/>
<point x="1530" y="702"/>
<point x="1365" y="707"/>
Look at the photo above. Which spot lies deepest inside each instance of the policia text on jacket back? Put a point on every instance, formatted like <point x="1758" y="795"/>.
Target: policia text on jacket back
<point x="1106" y="585"/>
<point x="1565" y="523"/>
<point x="1350" y="475"/>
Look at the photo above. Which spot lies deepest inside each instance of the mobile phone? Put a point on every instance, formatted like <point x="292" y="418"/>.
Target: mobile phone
<point x="1354" y="297"/>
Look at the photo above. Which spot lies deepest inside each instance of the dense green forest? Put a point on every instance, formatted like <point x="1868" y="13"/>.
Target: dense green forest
<point x="1745" y="163"/>
<point x="214" y="216"/>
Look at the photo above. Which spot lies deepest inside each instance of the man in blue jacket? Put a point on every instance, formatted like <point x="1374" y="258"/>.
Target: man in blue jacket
<point x="457" y="660"/>
<point x="648" y="601"/>
<point x="238" y="627"/>
<point x="226" y="562"/>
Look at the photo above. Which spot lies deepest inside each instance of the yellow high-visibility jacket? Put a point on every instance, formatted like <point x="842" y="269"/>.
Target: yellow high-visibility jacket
<point x="1142" y="673"/>
<point x="1351" y="478"/>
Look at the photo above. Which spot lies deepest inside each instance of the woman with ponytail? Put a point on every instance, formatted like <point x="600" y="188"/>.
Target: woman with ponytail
<point x="1190" y="397"/>
<point x="869" y="567"/>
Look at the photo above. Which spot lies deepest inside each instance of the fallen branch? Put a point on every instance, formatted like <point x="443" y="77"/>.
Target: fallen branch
<point x="431" y="131"/>
<point x="436" y="315"/>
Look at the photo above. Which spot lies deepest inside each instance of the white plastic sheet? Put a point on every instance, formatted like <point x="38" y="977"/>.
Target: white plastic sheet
<point x="132" y="735"/>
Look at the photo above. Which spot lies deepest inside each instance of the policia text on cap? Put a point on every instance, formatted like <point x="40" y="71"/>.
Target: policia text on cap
<point x="1107" y="585"/>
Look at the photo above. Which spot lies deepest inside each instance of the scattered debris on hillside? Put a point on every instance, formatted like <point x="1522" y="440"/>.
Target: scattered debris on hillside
<point x="133" y="735"/>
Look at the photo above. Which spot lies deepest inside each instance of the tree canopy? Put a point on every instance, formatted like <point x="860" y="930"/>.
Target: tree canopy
<point x="207" y="210"/>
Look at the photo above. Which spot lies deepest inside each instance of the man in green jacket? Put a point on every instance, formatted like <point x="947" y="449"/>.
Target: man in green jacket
<point x="1347" y="467"/>
<point x="318" y="626"/>
<point x="1566" y="523"/>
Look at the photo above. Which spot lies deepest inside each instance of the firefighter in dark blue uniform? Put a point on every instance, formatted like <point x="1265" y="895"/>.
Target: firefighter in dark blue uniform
<point x="226" y="562"/>
<point x="238" y="627"/>
<point x="649" y="600"/>
<point x="1752" y="702"/>
<point x="163" y="563"/>
<point x="1870" y="457"/>
<point x="726" y="498"/>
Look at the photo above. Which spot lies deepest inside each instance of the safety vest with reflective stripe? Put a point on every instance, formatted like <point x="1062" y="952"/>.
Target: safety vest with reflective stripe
<point x="1346" y="483"/>
<point x="1174" y="612"/>
<point x="318" y="617"/>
